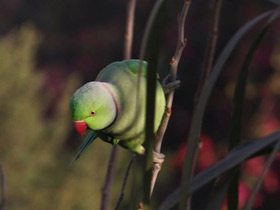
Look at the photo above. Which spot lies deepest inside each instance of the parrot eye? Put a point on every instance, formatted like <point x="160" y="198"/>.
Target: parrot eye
<point x="92" y="113"/>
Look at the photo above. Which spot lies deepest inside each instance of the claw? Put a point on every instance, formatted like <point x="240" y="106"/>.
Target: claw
<point x="170" y="86"/>
<point x="166" y="80"/>
<point x="158" y="158"/>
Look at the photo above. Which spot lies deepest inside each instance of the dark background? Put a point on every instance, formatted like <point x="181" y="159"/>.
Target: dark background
<point x="49" y="48"/>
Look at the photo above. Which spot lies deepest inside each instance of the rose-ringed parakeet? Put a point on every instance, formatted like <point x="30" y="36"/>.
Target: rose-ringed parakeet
<point x="113" y="108"/>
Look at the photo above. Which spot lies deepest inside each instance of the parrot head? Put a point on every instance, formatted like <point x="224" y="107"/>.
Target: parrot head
<point x="93" y="106"/>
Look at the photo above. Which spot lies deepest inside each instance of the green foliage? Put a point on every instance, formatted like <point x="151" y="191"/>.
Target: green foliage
<point x="34" y="159"/>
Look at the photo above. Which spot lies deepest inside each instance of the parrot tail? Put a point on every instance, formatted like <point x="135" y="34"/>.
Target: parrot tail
<point x="88" y="140"/>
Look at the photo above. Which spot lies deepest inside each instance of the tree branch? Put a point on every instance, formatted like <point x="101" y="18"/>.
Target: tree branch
<point x="114" y="153"/>
<point x="211" y="46"/>
<point x="181" y="43"/>
<point x="129" y="29"/>
<point x="125" y="181"/>
<point x="2" y="204"/>
<point x="109" y="178"/>
<point x="258" y="184"/>
<point x="207" y="66"/>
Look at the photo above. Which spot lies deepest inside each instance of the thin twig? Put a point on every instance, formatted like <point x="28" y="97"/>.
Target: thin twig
<point x="109" y="178"/>
<point x="189" y="199"/>
<point x="207" y="66"/>
<point x="181" y="43"/>
<point x="146" y="36"/>
<point x="148" y="164"/>
<point x="258" y="185"/>
<point x="211" y="46"/>
<point x="125" y="181"/>
<point x="2" y="204"/>
<point x="114" y="153"/>
<point x="129" y="29"/>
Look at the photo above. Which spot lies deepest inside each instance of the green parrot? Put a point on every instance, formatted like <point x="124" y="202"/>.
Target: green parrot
<point x="112" y="107"/>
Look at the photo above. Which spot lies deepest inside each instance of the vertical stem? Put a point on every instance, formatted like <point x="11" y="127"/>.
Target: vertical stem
<point x="149" y="145"/>
<point x="124" y="182"/>
<point x="233" y="190"/>
<point x="114" y="153"/>
<point x="129" y="29"/>
<point x="211" y="46"/>
<point x="207" y="66"/>
<point x="2" y="204"/>
<point x="109" y="178"/>
<point x="249" y="205"/>
<point x="181" y="43"/>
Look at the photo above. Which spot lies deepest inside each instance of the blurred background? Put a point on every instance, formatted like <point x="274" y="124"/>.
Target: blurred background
<point x="50" y="48"/>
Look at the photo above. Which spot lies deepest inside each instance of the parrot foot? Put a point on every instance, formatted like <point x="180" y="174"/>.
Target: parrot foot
<point x="170" y="86"/>
<point x="158" y="158"/>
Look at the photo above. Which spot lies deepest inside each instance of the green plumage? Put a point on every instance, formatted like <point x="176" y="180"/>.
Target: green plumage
<point x="119" y="107"/>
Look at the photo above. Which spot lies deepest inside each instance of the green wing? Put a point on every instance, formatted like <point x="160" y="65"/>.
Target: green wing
<point x="107" y="74"/>
<point x="88" y="140"/>
<point x="133" y="66"/>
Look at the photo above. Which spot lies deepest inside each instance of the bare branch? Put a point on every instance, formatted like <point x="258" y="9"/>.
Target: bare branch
<point x="114" y="154"/>
<point x="146" y="35"/>
<point x="258" y="184"/>
<point x="181" y="43"/>
<point x="109" y="178"/>
<point x="129" y="29"/>
<point x="211" y="47"/>
<point x="125" y="181"/>
<point x="207" y="66"/>
<point x="2" y="204"/>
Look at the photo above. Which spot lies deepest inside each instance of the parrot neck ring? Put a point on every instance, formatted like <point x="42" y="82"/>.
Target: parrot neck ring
<point x="115" y="102"/>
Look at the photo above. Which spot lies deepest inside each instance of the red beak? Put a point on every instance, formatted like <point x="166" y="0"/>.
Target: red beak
<point x="80" y="127"/>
